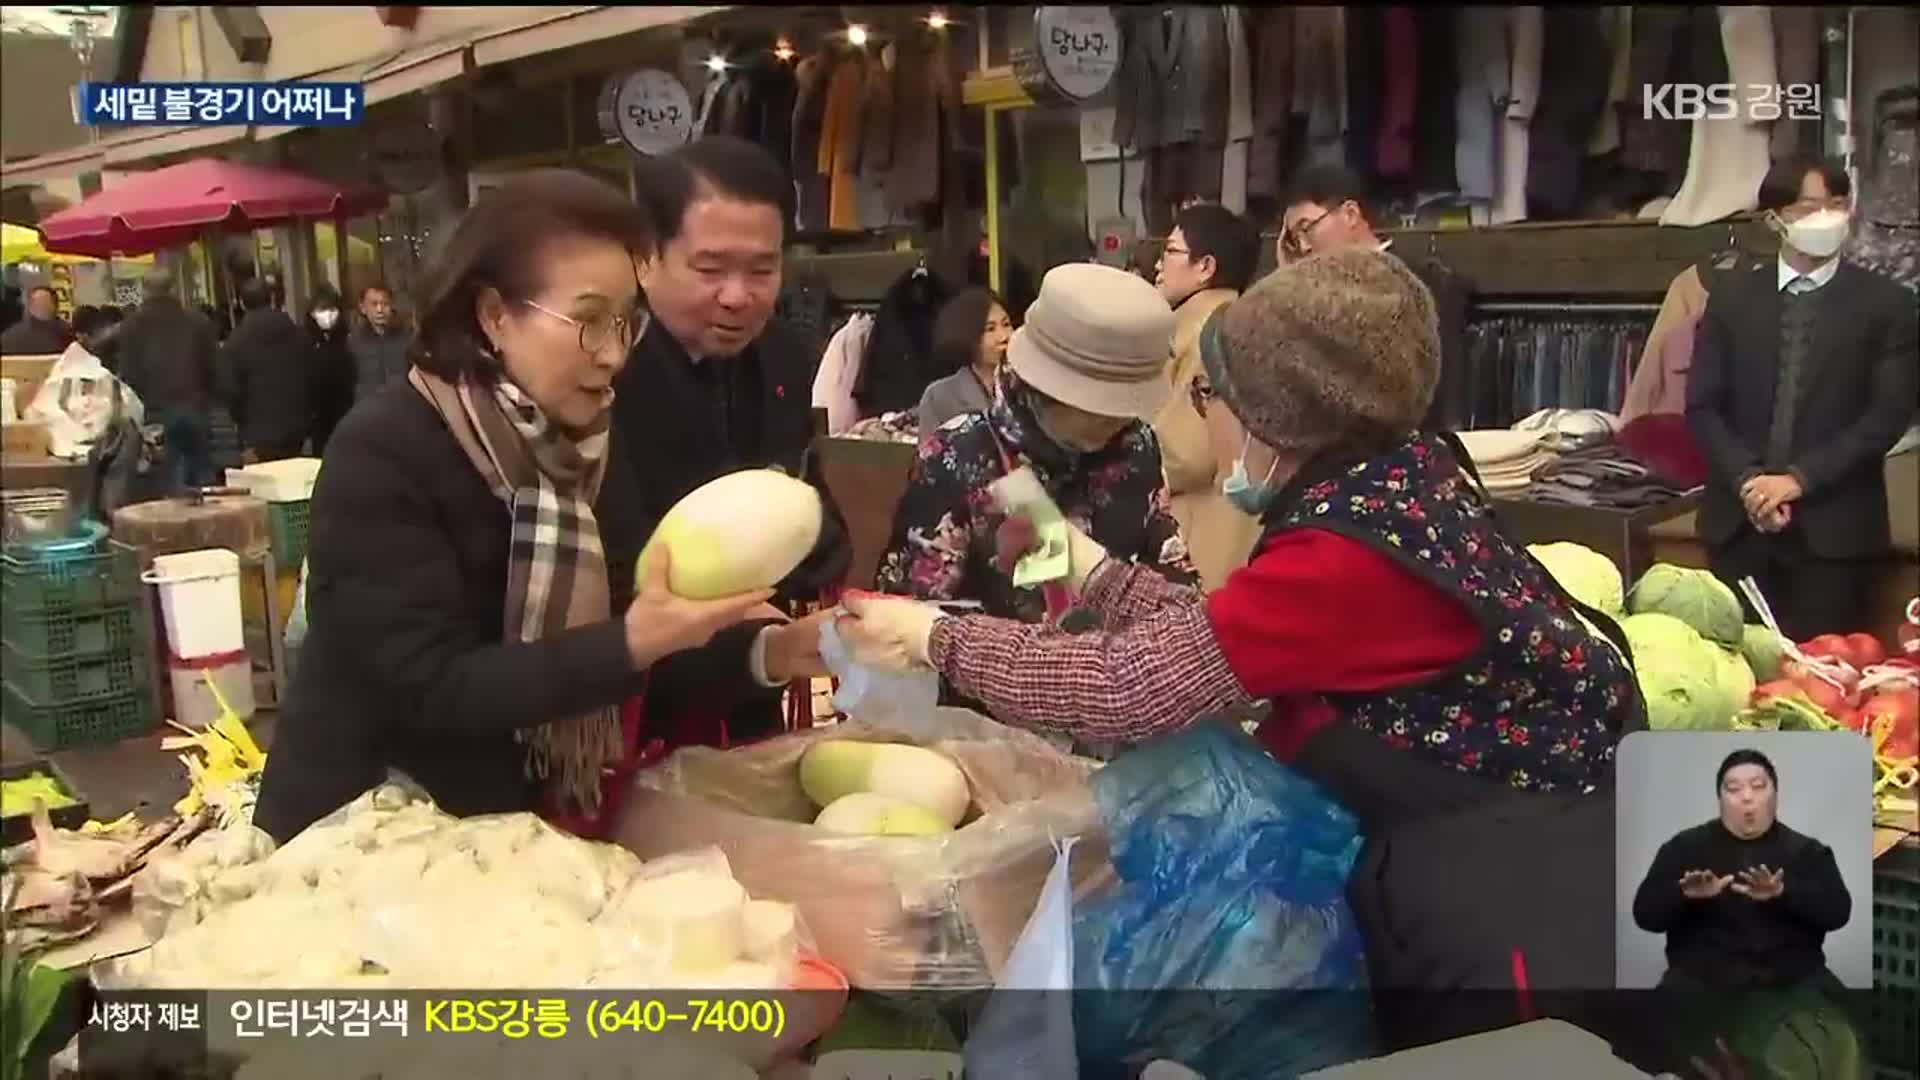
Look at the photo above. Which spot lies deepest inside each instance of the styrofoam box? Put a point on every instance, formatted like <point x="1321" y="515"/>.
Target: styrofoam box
<point x="290" y="480"/>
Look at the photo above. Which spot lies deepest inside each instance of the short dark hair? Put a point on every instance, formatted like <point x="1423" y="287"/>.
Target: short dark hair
<point x="494" y="244"/>
<point x="717" y="164"/>
<point x="93" y="320"/>
<point x="956" y="330"/>
<point x="255" y="294"/>
<point x="48" y="289"/>
<point x="1781" y="187"/>
<point x="1213" y="230"/>
<point x="1329" y="186"/>
<point x="374" y="288"/>
<point x="1745" y="757"/>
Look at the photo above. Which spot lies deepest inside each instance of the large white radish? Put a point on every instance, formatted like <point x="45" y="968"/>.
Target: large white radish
<point x="739" y="532"/>
<point x="834" y="768"/>
<point x="869" y="813"/>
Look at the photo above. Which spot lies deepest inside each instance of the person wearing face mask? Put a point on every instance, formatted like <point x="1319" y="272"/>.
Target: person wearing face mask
<point x="1744" y="901"/>
<point x="1415" y="658"/>
<point x="1804" y="374"/>
<point x="475" y="618"/>
<point x="970" y="339"/>
<point x="1080" y="376"/>
<point x="1208" y="258"/>
<point x="330" y="366"/>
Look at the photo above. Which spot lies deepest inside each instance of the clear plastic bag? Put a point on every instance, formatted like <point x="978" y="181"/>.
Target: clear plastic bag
<point x="1233" y="874"/>
<point x="1024" y="1033"/>
<point x="894" y="912"/>
<point x="904" y="701"/>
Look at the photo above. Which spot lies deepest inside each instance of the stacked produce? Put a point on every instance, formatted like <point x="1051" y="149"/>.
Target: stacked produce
<point x="390" y="892"/>
<point x="1700" y="669"/>
<point x="883" y="789"/>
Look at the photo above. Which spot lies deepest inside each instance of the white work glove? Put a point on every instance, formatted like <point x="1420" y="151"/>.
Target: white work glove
<point x="887" y="633"/>
<point x="1029" y="510"/>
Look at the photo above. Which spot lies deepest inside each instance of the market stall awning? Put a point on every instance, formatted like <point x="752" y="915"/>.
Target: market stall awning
<point x="18" y="243"/>
<point x="171" y="206"/>
<point x="421" y="67"/>
<point x="568" y="27"/>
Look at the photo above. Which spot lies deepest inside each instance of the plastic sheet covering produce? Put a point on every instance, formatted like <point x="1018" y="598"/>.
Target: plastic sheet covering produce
<point x="892" y="912"/>
<point x="391" y="893"/>
<point x="1230" y="905"/>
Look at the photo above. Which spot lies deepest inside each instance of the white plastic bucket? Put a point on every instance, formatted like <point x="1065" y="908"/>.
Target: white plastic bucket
<point x="200" y="598"/>
<point x="195" y="704"/>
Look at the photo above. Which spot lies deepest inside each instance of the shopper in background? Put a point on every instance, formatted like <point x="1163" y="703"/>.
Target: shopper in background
<point x="104" y="342"/>
<point x="1080" y="377"/>
<point x="1208" y="259"/>
<point x="167" y="355"/>
<point x="1804" y="375"/>
<point x="456" y="633"/>
<point x="264" y="367"/>
<point x="1327" y="209"/>
<point x="330" y="369"/>
<point x="378" y="344"/>
<point x="970" y="340"/>
<point x="42" y="332"/>
<point x="716" y="384"/>
<point x="1409" y="678"/>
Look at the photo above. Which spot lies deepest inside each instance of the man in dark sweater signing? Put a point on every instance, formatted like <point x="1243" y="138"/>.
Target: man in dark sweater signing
<point x="1745" y="901"/>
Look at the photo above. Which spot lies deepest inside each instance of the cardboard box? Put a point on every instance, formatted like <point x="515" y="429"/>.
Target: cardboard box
<point x="27" y="439"/>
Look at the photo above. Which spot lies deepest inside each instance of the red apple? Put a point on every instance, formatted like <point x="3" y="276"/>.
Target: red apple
<point x="1867" y="649"/>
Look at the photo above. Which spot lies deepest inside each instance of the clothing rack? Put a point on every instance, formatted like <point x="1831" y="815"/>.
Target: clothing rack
<point x="1571" y="307"/>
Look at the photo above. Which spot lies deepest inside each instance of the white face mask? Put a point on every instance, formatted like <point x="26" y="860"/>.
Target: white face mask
<point x="325" y="319"/>
<point x="1819" y="234"/>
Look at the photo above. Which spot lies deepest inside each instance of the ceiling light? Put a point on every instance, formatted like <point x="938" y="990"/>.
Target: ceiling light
<point x="938" y="20"/>
<point x="783" y="50"/>
<point x="857" y="34"/>
<point x="716" y="63"/>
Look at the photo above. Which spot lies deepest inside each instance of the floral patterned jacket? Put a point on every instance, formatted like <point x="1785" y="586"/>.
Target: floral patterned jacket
<point x="944" y="531"/>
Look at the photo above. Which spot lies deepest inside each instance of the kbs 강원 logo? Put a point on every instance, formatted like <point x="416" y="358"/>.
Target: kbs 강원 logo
<point x="1756" y="102"/>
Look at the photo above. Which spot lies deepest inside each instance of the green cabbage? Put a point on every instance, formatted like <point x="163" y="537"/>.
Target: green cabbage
<point x="1589" y="576"/>
<point x="1695" y="597"/>
<point x="1689" y="683"/>
<point x="1763" y="650"/>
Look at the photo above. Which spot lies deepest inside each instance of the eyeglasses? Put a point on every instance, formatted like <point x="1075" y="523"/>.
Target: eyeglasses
<point x="1295" y="239"/>
<point x="1200" y="392"/>
<point x="1170" y="251"/>
<point x="595" y="333"/>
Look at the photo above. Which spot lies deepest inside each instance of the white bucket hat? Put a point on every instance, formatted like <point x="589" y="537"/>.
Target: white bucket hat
<point x="1098" y="339"/>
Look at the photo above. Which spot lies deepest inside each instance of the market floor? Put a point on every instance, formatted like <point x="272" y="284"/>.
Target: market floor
<point x="133" y="774"/>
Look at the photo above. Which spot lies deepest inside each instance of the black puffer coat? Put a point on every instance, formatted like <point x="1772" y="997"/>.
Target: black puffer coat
<point x="899" y="364"/>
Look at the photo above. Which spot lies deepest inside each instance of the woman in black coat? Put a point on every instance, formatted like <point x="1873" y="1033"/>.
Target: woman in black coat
<point x="330" y="368"/>
<point x="474" y="622"/>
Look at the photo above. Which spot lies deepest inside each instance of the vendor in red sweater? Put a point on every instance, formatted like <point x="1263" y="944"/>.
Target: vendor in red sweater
<point x="1416" y="659"/>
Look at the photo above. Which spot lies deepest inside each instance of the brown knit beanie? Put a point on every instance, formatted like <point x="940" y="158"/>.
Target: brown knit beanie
<point x="1326" y="348"/>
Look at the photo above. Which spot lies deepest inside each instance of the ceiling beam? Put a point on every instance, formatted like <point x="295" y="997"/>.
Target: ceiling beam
<point x="129" y="43"/>
<point x="244" y="30"/>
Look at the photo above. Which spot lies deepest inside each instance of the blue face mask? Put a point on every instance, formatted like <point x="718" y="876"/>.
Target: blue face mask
<point x="1246" y="496"/>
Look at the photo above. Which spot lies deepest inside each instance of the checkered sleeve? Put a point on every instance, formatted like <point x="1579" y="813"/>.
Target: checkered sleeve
<point x="1152" y="675"/>
<point x="1123" y="591"/>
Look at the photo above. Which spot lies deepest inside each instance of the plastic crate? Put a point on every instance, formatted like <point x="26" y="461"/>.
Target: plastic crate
<point x="82" y="580"/>
<point x="287" y="528"/>
<point x="48" y="632"/>
<point x="1896" y="962"/>
<point x="57" y="680"/>
<point x="54" y="728"/>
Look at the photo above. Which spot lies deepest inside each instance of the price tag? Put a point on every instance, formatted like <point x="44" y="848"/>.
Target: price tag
<point x="1079" y="48"/>
<point x="653" y="111"/>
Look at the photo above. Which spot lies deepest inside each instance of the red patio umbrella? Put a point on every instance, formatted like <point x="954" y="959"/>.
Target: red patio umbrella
<point x="172" y="206"/>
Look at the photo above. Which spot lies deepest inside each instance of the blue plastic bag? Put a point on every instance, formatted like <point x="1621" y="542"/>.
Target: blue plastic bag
<point x="1231" y="910"/>
<point x="902" y="702"/>
<point x="1023" y="1032"/>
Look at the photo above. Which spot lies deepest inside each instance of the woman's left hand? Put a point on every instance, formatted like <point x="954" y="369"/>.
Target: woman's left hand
<point x="888" y="632"/>
<point x="793" y="649"/>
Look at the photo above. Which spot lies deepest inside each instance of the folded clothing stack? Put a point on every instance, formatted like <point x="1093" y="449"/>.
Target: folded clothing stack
<point x="1601" y="476"/>
<point x="1571" y="429"/>
<point x="1507" y="460"/>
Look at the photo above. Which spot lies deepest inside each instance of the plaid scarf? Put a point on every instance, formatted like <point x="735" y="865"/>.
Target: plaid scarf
<point x="556" y="568"/>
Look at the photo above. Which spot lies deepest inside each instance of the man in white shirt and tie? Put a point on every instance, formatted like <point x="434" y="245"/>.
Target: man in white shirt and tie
<point x="1804" y="375"/>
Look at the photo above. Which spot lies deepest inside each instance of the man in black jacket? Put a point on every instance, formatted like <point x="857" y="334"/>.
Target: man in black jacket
<point x="264" y="366"/>
<point x="42" y="332"/>
<point x="716" y="385"/>
<point x="167" y="357"/>
<point x="1804" y="375"/>
<point x="1327" y="209"/>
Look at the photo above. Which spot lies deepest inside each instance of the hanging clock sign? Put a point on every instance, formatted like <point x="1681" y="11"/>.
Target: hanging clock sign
<point x="649" y="110"/>
<point x="1075" y="54"/>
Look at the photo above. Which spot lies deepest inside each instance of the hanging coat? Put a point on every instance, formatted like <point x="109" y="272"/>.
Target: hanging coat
<point x="1485" y="84"/>
<point x="812" y="77"/>
<point x="1729" y="156"/>
<point x="898" y="366"/>
<point x="925" y="110"/>
<point x="1575" y="70"/>
<point x="1271" y="45"/>
<point x="1434" y="131"/>
<point x="1526" y="40"/>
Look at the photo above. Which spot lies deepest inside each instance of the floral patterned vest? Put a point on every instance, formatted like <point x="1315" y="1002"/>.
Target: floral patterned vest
<point x="1542" y="703"/>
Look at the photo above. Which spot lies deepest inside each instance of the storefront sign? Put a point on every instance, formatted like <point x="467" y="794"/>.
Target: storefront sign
<point x="1076" y="51"/>
<point x="405" y="158"/>
<point x="651" y="111"/>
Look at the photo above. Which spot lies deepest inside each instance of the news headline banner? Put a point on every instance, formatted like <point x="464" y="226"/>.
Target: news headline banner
<point x="283" y="104"/>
